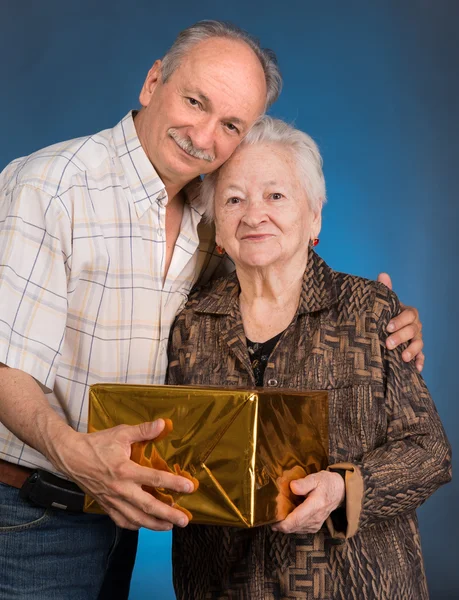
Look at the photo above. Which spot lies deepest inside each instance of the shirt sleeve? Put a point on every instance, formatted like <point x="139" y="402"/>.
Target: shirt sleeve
<point x="35" y="246"/>
<point x="400" y="475"/>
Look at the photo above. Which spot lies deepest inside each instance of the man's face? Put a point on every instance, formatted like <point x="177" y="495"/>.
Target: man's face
<point x="192" y="123"/>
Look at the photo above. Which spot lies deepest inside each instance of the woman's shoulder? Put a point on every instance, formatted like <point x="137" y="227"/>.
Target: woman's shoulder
<point x="357" y="295"/>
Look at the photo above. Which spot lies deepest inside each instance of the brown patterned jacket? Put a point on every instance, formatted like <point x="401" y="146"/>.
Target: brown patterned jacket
<point x="384" y="431"/>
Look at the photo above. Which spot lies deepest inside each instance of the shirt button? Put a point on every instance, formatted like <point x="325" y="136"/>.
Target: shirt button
<point x="272" y="382"/>
<point x="159" y="232"/>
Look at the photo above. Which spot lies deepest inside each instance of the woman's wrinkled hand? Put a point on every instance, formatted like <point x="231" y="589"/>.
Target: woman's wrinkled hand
<point x="324" y="492"/>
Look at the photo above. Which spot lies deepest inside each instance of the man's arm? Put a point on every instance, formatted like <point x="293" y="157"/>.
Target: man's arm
<point x="405" y="327"/>
<point x="98" y="462"/>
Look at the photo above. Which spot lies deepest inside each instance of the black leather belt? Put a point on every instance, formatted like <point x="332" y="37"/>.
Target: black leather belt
<point x="42" y="488"/>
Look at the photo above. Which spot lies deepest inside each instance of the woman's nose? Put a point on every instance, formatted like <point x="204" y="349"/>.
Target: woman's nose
<point x="255" y="213"/>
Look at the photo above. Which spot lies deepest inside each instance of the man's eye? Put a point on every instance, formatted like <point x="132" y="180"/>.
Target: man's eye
<point x="231" y="127"/>
<point x="276" y="196"/>
<point x="194" y="102"/>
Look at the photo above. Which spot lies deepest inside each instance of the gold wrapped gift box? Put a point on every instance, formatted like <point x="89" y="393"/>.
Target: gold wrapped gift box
<point x="240" y="447"/>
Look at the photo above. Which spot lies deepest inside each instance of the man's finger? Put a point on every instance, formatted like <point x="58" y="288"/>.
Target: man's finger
<point x="413" y="349"/>
<point x="385" y="278"/>
<point x="163" y="512"/>
<point x="142" y="509"/>
<point x="405" y="334"/>
<point x="409" y="316"/>
<point x="420" y="360"/>
<point x="130" y="517"/>
<point x="162" y="479"/>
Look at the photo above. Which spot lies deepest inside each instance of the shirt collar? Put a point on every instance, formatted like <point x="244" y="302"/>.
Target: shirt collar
<point x="146" y="186"/>
<point x="319" y="291"/>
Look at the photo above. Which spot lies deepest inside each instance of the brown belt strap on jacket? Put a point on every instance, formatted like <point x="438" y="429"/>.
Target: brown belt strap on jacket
<point x="13" y="475"/>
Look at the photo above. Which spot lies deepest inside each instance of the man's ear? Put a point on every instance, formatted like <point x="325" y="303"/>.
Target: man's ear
<point x="150" y="84"/>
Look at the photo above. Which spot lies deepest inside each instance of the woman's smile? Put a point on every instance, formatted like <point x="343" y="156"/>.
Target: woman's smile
<point x="257" y="237"/>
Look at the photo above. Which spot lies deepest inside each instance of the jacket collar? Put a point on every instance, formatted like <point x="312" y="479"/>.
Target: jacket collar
<point x="319" y="291"/>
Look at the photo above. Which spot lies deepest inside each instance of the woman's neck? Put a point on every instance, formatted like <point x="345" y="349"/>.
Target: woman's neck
<point x="269" y="299"/>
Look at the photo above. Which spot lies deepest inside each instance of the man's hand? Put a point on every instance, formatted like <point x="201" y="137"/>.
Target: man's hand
<point x="100" y="464"/>
<point x="405" y="327"/>
<point x="324" y="492"/>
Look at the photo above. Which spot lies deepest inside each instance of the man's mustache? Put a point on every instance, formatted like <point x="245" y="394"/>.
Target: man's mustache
<point x="187" y="145"/>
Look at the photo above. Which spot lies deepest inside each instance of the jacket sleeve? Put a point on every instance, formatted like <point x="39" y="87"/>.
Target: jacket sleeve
<point x="400" y="475"/>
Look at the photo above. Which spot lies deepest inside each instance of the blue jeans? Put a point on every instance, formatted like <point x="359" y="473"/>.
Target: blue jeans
<point x="48" y="554"/>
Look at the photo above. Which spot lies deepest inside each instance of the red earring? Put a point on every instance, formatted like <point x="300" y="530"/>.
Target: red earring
<point x="313" y="243"/>
<point x="220" y="250"/>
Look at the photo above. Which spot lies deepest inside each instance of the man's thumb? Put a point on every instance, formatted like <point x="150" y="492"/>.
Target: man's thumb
<point x="144" y="432"/>
<point x="385" y="278"/>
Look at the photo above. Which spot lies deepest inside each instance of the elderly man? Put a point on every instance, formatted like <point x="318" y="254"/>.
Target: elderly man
<point x="100" y="243"/>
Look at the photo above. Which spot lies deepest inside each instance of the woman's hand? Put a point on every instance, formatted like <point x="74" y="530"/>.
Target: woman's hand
<point x="324" y="492"/>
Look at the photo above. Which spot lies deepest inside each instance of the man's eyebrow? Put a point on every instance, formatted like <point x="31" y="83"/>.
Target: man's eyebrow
<point x="237" y="121"/>
<point x="201" y="96"/>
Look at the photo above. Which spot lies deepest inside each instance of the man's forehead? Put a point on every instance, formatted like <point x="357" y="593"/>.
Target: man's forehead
<point x="218" y="58"/>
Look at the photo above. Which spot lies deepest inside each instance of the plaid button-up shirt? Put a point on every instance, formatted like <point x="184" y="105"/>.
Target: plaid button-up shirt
<point x="82" y="254"/>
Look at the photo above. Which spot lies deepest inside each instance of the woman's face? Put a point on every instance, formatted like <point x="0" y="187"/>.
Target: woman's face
<point x="262" y="214"/>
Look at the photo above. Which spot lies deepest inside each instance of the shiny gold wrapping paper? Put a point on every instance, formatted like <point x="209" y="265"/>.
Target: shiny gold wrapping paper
<point x="242" y="446"/>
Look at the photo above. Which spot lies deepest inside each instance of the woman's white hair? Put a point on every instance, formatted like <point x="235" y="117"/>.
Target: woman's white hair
<point x="204" y="30"/>
<point x="268" y="130"/>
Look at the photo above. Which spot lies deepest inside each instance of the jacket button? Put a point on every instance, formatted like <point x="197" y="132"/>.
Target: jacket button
<point x="272" y="382"/>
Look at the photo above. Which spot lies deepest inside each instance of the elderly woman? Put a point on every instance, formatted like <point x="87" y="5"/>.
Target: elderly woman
<point x="285" y="319"/>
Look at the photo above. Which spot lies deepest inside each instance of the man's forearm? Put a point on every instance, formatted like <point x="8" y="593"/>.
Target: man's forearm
<point x="26" y="412"/>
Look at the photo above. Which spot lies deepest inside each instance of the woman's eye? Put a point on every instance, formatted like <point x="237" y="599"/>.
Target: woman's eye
<point x="276" y="196"/>
<point x="233" y="200"/>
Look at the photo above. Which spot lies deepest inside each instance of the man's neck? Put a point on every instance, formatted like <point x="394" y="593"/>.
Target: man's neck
<point x="174" y="190"/>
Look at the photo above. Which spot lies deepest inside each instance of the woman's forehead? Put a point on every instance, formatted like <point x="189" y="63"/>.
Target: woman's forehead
<point x="258" y="160"/>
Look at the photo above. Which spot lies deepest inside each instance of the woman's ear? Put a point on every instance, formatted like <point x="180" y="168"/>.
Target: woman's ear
<point x="217" y="236"/>
<point x="316" y="224"/>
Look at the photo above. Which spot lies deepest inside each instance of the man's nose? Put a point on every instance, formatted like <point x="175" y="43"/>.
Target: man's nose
<point x="203" y="134"/>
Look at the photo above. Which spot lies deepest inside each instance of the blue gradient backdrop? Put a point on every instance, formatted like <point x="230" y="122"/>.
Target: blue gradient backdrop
<point x="376" y="84"/>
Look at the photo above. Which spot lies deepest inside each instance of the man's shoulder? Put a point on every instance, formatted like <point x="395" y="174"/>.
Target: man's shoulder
<point x="51" y="169"/>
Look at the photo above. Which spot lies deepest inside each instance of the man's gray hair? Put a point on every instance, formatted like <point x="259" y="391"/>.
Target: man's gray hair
<point x="204" y="30"/>
<point x="268" y="130"/>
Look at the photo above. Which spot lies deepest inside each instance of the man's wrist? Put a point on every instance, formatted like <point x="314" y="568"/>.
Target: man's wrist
<point x="59" y="440"/>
